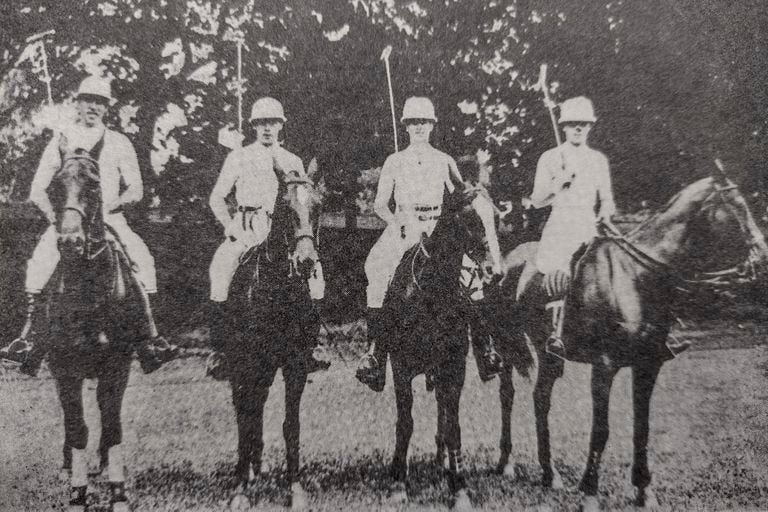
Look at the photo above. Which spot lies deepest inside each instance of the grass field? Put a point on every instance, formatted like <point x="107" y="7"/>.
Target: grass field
<point x="708" y="450"/>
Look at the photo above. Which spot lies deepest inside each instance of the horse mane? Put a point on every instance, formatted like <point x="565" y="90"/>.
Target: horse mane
<point x="684" y="193"/>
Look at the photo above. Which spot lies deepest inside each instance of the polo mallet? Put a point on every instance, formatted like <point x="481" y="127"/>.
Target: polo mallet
<point x="227" y="138"/>
<point x="385" y="57"/>
<point x="541" y="85"/>
<point x="39" y="39"/>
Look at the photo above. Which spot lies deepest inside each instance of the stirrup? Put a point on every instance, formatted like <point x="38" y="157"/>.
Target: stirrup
<point x="216" y="366"/>
<point x="555" y="347"/>
<point x="17" y="351"/>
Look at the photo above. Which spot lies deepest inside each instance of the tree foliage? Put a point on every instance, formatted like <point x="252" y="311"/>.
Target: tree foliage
<point x="674" y="82"/>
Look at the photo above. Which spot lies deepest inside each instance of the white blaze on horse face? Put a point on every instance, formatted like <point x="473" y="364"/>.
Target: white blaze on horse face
<point x="485" y="211"/>
<point x="302" y="195"/>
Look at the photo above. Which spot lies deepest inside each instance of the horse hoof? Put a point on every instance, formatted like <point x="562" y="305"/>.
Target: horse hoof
<point x="120" y="506"/>
<point x="645" y="498"/>
<point x="298" y="497"/>
<point x="509" y="471"/>
<point x="398" y="496"/>
<point x="462" y="503"/>
<point x="239" y="502"/>
<point x="589" y="504"/>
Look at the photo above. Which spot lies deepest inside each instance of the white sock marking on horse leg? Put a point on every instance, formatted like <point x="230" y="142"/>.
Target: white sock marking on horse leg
<point x="79" y="468"/>
<point x="116" y="464"/>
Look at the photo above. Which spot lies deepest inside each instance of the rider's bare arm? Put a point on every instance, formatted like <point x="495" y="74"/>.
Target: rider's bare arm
<point x="224" y="185"/>
<point x="605" y="192"/>
<point x="130" y="175"/>
<point x="546" y="185"/>
<point x="454" y="176"/>
<point x="384" y="191"/>
<point x="49" y="164"/>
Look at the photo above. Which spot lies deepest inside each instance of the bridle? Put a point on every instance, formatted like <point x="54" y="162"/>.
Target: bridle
<point x="86" y="220"/>
<point x="465" y="290"/>
<point x="741" y="273"/>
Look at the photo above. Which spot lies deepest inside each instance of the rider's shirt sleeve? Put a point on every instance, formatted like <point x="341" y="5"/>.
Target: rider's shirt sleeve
<point x="129" y="172"/>
<point x="290" y="162"/>
<point x="543" y="189"/>
<point x="605" y="189"/>
<point x="385" y="189"/>
<point x="224" y="185"/>
<point x="50" y="162"/>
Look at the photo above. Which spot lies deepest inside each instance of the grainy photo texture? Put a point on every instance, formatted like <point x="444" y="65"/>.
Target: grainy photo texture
<point x="401" y="255"/>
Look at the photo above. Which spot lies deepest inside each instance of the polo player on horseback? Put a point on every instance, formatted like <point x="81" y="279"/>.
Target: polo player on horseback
<point x="417" y="177"/>
<point x="121" y="185"/>
<point x="575" y="180"/>
<point x="251" y="172"/>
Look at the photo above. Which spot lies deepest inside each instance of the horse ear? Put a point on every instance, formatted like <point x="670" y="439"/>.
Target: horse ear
<point x="719" y="175"/>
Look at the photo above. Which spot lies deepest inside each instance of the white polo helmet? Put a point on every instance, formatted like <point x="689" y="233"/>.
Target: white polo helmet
<point x="267" y="108"/>
<point x="96" y="86"/>
<point x="577" y="109"/>
<point x="418" y="107"/>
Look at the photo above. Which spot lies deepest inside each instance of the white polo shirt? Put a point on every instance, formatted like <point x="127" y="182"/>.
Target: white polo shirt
<point x="417" y="176"/>
<point x="118" y="164"/>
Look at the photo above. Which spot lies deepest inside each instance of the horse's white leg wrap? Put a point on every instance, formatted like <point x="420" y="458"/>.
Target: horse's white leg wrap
<point x="79" y="469"/>
<point x="116" y="464"/>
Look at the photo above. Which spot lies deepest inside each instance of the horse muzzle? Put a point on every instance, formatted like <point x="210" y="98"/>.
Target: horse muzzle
<point x="72" y="244"/>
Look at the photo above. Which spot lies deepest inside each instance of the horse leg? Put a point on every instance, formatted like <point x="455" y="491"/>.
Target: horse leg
<point x="450" y="394"/>
<point x="644" y="376"/>
<point x="403" y="431"/>
<point x="70" y="390"/>
<point x="549" y="370"/>
<point x="295" y="380"/>
<point x="248" y="399"/>
<point x="440" y="453"/>
<point x="507" y="399"/>
<point x="602" y="380"/>
<point x="110" y="391"/>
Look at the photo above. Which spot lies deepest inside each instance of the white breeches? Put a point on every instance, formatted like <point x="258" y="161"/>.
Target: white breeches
<point x="238" y="241"/>
<point x="565" y="231"/>
<point x="386" y="254"/>
<point x="45" y="257"/>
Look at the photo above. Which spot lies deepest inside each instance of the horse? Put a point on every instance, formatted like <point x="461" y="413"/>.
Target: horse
<point x="427" y="312"/>
<point x="95" y="312"/>
<point x="270" y="317"/>
<point x="619" y="311"/>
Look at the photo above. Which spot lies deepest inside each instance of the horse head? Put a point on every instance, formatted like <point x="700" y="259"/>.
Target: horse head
<point x="476" y="215"/>
<point x="726" y="231"/>
<point x="302" y="201"/>
<point x="77" y="204"/>
<point x="706" y="228"/>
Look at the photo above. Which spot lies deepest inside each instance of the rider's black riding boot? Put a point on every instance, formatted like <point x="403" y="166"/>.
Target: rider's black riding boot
<point x="154" y="351"/>
<point x="372" y="370"/>
<point x="217" y="365"/>
<point x="555" y="346"/>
